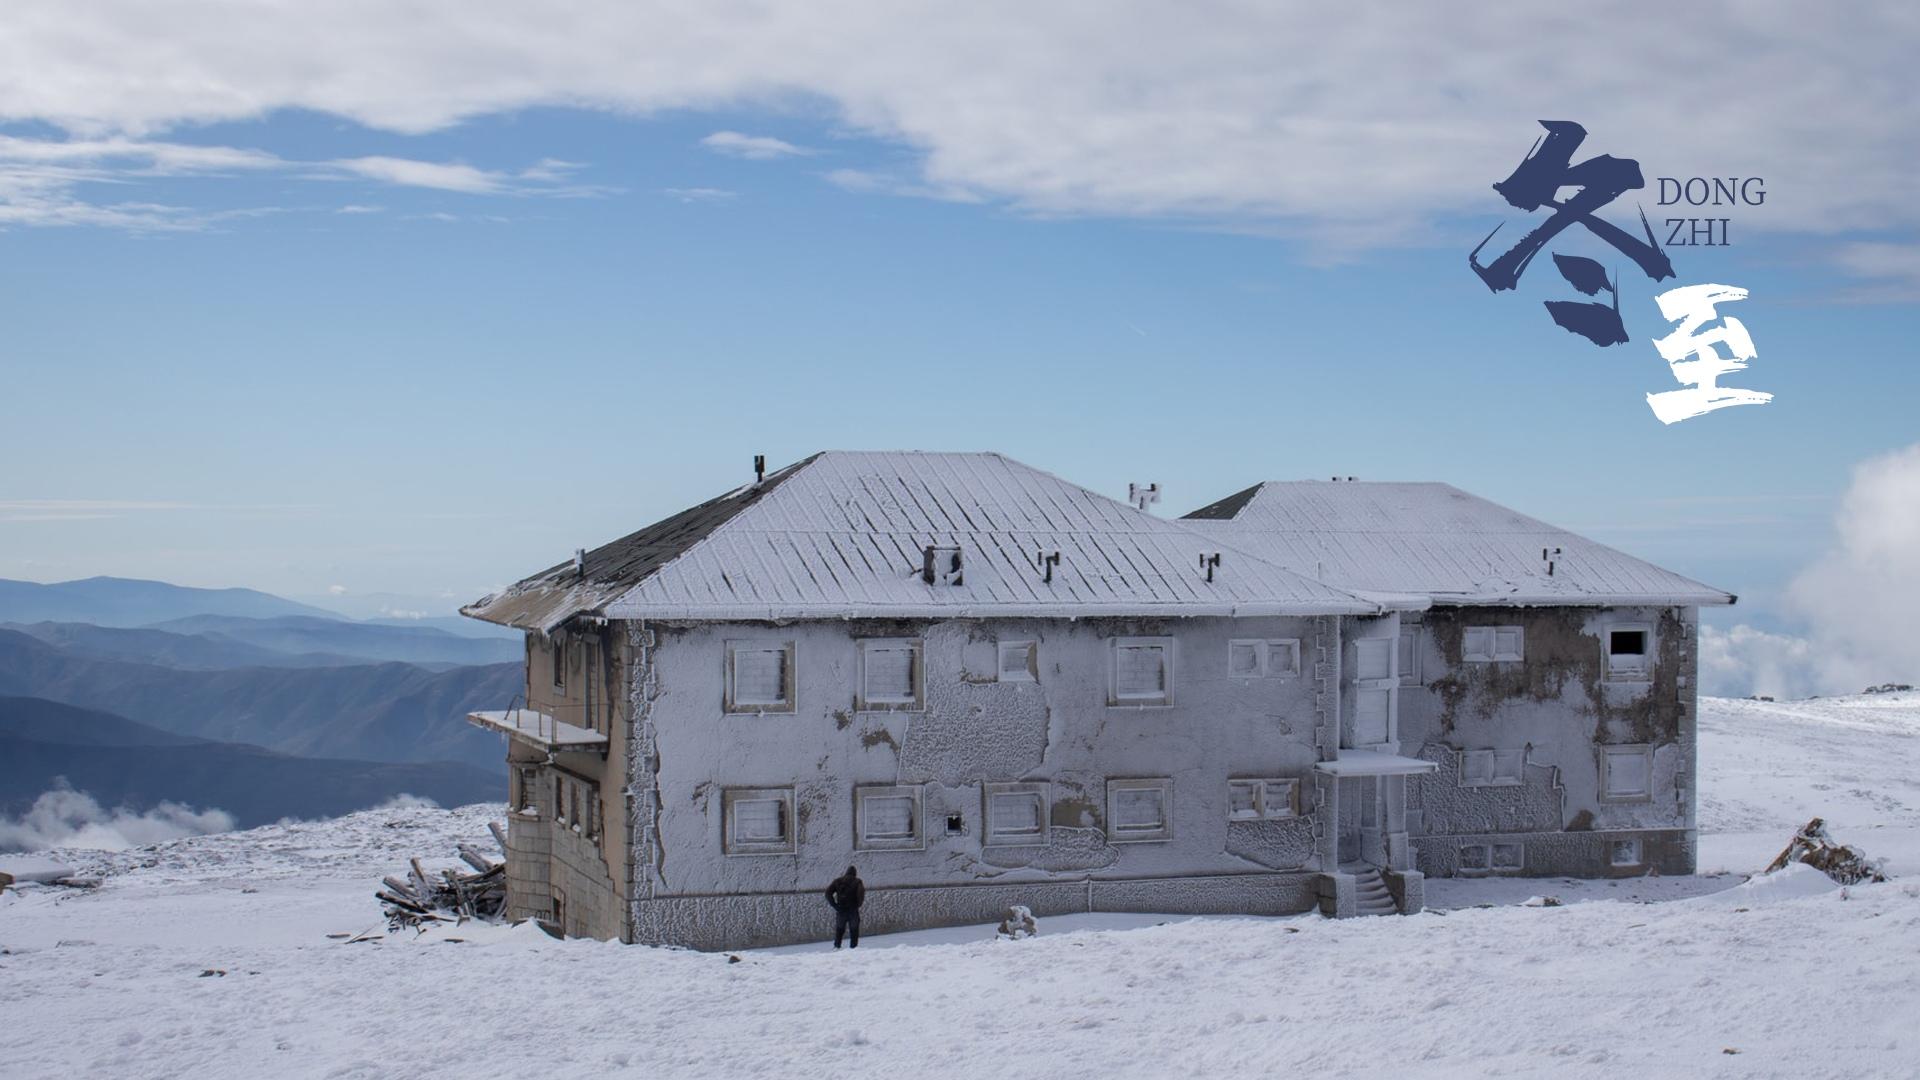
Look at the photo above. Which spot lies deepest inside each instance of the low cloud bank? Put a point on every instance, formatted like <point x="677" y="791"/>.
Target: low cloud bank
<point x="1859" y="603"/>
<point x="67" y="818"/>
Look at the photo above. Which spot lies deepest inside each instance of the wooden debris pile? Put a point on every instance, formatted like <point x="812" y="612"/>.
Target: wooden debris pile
<point x="449" y="895"/>
<point x="1816" y="847"/>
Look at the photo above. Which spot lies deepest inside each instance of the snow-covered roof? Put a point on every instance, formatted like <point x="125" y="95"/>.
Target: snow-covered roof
<point x="844" y="534"/>
<point x="1434" y="540"/>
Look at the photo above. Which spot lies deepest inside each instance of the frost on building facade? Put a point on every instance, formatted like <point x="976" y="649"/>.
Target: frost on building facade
<point x="986" y="686"/>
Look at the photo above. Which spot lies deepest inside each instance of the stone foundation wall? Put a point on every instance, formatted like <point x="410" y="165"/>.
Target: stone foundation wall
<point x="765" y="919"/>
<point x="1563" y="854"/>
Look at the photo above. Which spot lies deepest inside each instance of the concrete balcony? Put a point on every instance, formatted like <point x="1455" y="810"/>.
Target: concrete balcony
<point x="541" y="730"/>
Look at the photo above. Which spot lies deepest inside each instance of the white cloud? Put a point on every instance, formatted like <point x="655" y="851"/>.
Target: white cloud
<point x="356" y="208"/>
<point x="80" y="509"/>
<point x="1859" y="603"/>
<point x="752" y="147"/>
<point x="1354" y="127"/>
<point x="1891" y="271"/>
<point x="336" y="590"/>
<point x="67" y="818"/>
<point x="700" y="194"/>
<point x="40" y="179"/>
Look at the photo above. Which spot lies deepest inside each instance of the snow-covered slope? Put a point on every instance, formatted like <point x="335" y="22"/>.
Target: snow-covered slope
<point x="1785" y="976"/>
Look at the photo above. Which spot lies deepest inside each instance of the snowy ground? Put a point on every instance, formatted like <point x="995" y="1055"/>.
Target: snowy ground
<point x="209" y="957"/>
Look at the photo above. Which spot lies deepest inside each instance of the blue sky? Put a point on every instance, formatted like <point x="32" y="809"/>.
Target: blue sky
<point x="303" y="375"/>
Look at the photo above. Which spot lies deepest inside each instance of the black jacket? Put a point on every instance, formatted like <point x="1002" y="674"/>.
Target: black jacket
<point x="847" y="893"/>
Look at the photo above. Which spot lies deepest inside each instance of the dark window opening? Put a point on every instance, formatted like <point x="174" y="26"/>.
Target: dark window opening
<point x="1627" y="643"/>
<point x="955" y="825"/>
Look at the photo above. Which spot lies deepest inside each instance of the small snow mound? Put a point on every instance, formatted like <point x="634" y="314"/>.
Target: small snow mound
<point x="37" y="868"/>
<point x="1793" y="882"/>
<point x="1018" y="923"/>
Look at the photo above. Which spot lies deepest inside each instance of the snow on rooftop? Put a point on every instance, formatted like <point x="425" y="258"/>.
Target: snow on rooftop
<point x="1435" y="540"/>
<point x="844" y="534"/>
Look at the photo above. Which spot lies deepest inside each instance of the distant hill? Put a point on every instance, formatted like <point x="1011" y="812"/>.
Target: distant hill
<point x="123" y="763"/>
<point x="381" y="712"/>
<point x="457" y="625"/>
<point x="302" y="635"/>
<point x="110" y="601"/>
<point x="204" y="652"/>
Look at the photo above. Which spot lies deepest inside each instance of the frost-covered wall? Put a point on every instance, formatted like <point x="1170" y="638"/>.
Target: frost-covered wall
<point x="1058" y="730"/>
<point x="567" y="866"/>
<point x="1595" y="768"/>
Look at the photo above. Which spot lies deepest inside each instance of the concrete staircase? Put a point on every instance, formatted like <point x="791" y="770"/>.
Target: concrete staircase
<point x="1371" y="895"/>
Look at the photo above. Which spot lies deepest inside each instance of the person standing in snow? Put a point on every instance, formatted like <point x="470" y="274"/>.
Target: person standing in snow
<point x="846" y="894"/>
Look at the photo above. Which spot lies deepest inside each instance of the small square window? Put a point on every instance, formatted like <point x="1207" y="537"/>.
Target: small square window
<point x="891" y="674"/>
<point x="1139" y="810"/>
<point x="1019" y="661"/>
<point x="1629" y="652"/>
<point x="1626" y="773"/>
<point x="1492" y="768"/>
<point x="1275" y="659"/>
<point x="760" y="676"/>
<point x="887" y="818"/>
<point x="757" y="821"/>
<point x="1625" y="852"/>
<point x="1492" y="644"/>
<point x="1474" y="858"/>
<point x="1016" y="814"/>
<point x="1508" y="856"/>
<point x="1254" y="800"/>
<point x="1244" y="660"/>
<point x="1142" y="672"/>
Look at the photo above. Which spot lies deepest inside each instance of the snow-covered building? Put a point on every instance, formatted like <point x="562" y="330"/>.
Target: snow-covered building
<point x="986" y="686"/>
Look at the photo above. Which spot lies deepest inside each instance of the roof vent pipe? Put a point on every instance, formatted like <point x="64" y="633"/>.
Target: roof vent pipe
<point x="1143" y="495"/>
<point x="759" y="469"/>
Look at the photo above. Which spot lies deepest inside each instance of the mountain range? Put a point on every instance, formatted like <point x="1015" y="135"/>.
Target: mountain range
<point x="121" y="763"/>
<point x="140" y="691"/>
<point x="379" y="711"/>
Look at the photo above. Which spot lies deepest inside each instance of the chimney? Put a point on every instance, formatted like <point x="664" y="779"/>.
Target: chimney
<point x="759" y="469"/>
<point x="1143" y="495"/>
<point x="579" y="562"/>
<point x="940" y="565"/>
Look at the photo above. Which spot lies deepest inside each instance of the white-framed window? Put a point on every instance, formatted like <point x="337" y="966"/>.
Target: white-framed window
<point x="1492" y="644"/>
<point x="1276" y="658"/>
<point x="1141" y="671"/>
<point x="1492" y="768"/>
<point x="888" y="818"/>
<point x="1477" y="859"/>
<point x="1375" y="687"/>
<point x="1017" y="661"/>
<point x="1409" y="658"/>
<point x="1139" y="810"/>
<point x="757" y="821"/>
<point x="1626" y="773"/>
<point x="1629" y="651"/>
<point x="760" y="676"/>
<point x="1015" y="814"/>
<point x="1255" y="800"/>
<point x="1624" y="852"/>
<point x="892" y="674"/>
